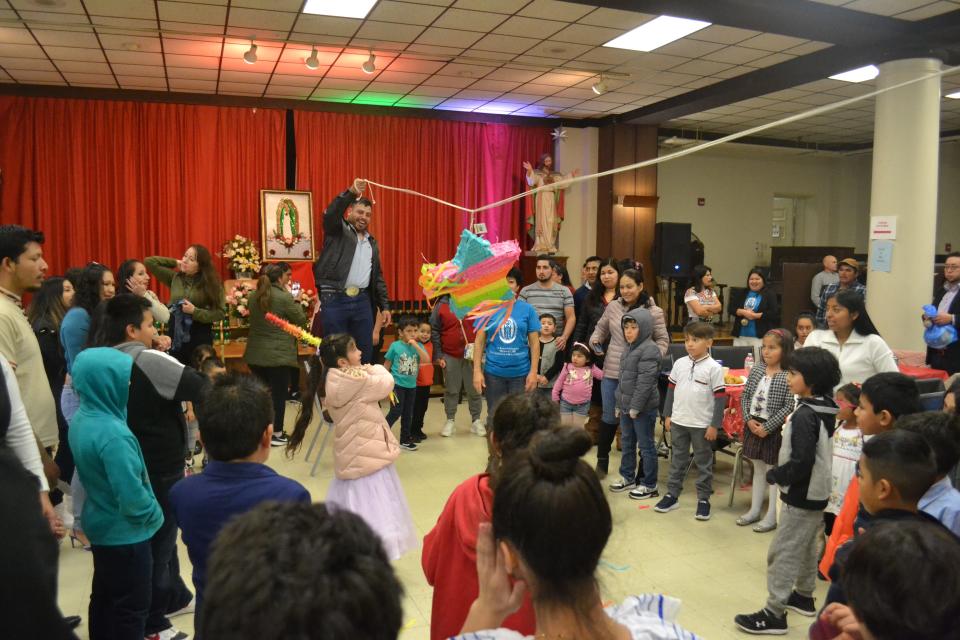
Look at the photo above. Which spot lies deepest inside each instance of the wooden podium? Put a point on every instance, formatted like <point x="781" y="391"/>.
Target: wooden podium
<point x="528" y="266"/>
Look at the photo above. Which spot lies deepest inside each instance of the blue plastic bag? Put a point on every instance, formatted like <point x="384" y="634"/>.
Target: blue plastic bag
<point x="937" y="336"/>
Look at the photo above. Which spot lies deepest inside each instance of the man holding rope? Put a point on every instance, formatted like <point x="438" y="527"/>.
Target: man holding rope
<point x="348" y="273"/>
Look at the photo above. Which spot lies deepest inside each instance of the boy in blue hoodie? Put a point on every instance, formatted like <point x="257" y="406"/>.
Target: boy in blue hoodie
<point x="637" y="400"/>
<point x="121" y="513"/>
<point x="803" y="475"/>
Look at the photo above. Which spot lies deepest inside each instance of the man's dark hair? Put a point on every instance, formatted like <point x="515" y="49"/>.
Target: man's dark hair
<point x="592" y="259"/>
<point x="702" y="330"/>
<point x="904" y="459"/>
<point x="233" y="415"/>
<point x="407" y="321"/>
<point x="516" y="274"/>
<point x="14" y="240"/>
<point x="819" y="368"/>
<point x="298" y="570"/>
<point x="942" y="433"/>
<point x="902" y="580"/>
<point x="363" y="201"/>
<point x="894" y="392"/>
<point x="119" y="312"/>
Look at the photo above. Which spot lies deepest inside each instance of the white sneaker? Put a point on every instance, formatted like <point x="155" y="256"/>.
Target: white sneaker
<point x="448" y="428"/>
<point x="479" y="428"/>
<point x="190" y="607"/>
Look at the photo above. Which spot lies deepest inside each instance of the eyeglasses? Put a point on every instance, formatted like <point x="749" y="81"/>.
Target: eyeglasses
<point x="951" y="267"/>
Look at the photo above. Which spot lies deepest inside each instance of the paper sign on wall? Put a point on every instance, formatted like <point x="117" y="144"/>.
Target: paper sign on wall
<point x="881" y="255"/>
<point x="883" y="227"/>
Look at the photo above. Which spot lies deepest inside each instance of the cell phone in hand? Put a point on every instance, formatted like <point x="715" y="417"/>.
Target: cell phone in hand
<point x="295" y="289"/>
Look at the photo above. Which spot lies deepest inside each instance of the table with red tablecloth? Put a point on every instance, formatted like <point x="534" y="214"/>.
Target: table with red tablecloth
<point x="923" y="373"/>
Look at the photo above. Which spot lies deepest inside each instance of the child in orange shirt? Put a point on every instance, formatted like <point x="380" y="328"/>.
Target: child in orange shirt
<point x="424" y="382"/>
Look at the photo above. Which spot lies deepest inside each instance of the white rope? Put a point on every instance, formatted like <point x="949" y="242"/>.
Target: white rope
<point x="676" y="154"/>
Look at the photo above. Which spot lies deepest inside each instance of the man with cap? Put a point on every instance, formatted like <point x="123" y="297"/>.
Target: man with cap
<point x="848" y="271"/>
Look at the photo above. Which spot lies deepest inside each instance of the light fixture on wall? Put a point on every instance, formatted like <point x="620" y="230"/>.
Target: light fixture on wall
<point x="313" y="62"/>
<point x="250" y="57"/>
<point x="599" y="87"/>
<point x="370" y="65"/>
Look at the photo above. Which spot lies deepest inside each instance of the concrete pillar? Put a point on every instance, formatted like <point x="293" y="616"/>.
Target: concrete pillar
<point x="905" y="166"/>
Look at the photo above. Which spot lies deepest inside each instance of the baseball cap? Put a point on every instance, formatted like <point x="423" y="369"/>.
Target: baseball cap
<point x="850" y="262"/>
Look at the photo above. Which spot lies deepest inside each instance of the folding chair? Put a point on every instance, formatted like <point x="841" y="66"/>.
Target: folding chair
<point x="318" y="410"/>
<point x="733" y="357"/>
<point x="929" y="385"/>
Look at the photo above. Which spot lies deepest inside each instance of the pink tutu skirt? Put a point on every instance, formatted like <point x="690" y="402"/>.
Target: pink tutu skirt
<point x="379" y="500"/>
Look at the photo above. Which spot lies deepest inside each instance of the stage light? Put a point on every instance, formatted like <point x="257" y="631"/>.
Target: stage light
<point x="599" y="87"/>
<point x="313" y="62"/>
<point x="250" y="57"/>
<point x="370" y="65"/>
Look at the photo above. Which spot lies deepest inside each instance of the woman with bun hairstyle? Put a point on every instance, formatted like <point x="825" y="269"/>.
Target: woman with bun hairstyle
<point x="546" y="488"/>
<point x="450" y="550"/>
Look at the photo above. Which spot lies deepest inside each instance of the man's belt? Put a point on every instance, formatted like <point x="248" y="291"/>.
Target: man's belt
<point x="350" y="292"/>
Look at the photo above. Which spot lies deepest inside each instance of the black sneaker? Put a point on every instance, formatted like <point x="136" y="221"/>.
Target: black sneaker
<point x="703" y="510"/>
<point x="409" y="446"/>
<point x="644" y="493"/>
<point x="762" y="623"/>
<point x="278" y="440"/>
<point x="667" y="503"/>
<point x="804" y="605"/>
<point x="419" y="436"/>
<point x="602" y="467"/>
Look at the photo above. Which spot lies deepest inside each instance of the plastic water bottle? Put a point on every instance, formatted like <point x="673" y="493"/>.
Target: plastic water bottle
<point x="748" y="363"/>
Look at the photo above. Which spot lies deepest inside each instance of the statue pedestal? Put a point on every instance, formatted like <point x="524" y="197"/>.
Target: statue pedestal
<point x="528" y="266"/>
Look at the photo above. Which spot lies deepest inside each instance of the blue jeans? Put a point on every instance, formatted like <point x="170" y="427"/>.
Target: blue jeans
<point x="608" y="391"/>
<point x="498" y="388"/>
<point x="406" y="399"/>
<point x="353" y="316"/>
<point x="634" y="432"/>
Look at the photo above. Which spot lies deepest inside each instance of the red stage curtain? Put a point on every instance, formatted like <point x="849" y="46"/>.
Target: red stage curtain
<point x="466" y="163"/>
<point x="108" y="180"/>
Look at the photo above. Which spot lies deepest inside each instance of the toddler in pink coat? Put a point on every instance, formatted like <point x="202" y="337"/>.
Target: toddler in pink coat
<point x="574" y="386"/>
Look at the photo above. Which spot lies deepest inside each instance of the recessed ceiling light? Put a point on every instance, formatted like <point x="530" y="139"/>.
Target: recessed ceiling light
<point x="656" y="33"/>
<point x="858" y="75"/>
<point x="955" y="95"/>
<point x="340" y="8"/>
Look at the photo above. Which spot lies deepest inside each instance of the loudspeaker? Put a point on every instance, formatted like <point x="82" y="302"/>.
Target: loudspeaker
<point x="672" y="249"/>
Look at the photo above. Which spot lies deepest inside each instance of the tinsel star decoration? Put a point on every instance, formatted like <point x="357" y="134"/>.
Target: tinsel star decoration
<point x="559" y="134"/>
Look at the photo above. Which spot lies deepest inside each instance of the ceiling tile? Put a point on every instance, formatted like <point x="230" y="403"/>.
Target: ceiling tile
<point x="135" y="57"/>
<point x="474" y="71"/>
<point x="191" y="12"/>
<point x="244" y="78"/>
<point x="343" y="83"/>
<point x="481" y="56"/>
<point x="560" y="79"/>
<point x="326" y="25"/>
<point x="553" y="101"/>
<point x="20" y="35"/>
<point x="291" y="80"/>
<point x="586" y="34"/>
<point x="928" y="11"/>
<point x="582" y="94"/>
<point x="733" y="72"/>
<point x="538" y="89"/>
<point x="178" y="60"/>
<point x="494" y="85"/>
<point x="723" y="35"/>
<point x="449" y="81"/>
<point x="80" y="66"/>
<point x="616" y="19"/>
<point x="24" y="50"/>
<point x="735" y="55"/>
<point x="293" y="93"/>
<point x="387" y="31"/>
<point x="54" y="17"/>
<point x="530" y="27"/>
<point x="513" y="75"/>
<point x="143" y="9"/>
<point x="137" y="82"/>
<point x="108" y="24"/>
<point x="498" y="6"/>
<point x="808" y="47"/>
<point x="27" y="64"/>
<point x="689" y="48"/>
<point x="434" y="49"/>
<point x="90" y="79"/>
<point x="437" y="92"/>
<point x="23" y="75"/>
<point x="390" y="87"/>
<point x="351" y="73"/>
<point x="66" y="6"/>
<point x="770" y="60"/>
<point x="607" y="55"/>
<point x="72" y="53"/>
<point x="772" y="42"/>
<point x="414" y="65"/>
<point x="424" y="102"/>
<point x="275" y="5"/>
<point x="240" y="87"/>
<point x="336" y="95"/>
<point x="260" y="20"/>
<point x="700" y="67"/>
<point x="553" y="10"/>
<point x="559" y="50"/>
<point x="130" y="43"/>
<point x="402" y="77"/>
<point x="138" y="70"/>
<point x="469" y="20"/>
<point x="510" y="44"/>
<point x="192" y="73"/>
<point x="448" y="37"/>
<point x="56" y="38"/>
<point x="190" y="27"/>
<point x="460" y="104"/>
<point x="472" y="94"/>
<point x="404" y="12"/>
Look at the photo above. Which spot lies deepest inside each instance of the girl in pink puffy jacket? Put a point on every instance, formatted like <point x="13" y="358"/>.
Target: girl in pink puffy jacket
<point x="366" y="481"/>
<point x="574" y="386"/>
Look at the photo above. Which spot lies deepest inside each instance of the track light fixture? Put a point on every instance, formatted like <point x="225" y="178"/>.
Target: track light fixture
<point x="313" y="62"/>
<point x="599" y="87"/>
<point x="370" y="65"/>
<point x="250" y="57"/>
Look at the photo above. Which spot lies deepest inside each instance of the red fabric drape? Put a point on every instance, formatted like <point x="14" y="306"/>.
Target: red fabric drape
<point x="108" y="180"/>
<point x="465" y="163"/>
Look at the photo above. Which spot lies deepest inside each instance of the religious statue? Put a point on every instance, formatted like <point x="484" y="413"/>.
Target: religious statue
<point x="545" y="207"/>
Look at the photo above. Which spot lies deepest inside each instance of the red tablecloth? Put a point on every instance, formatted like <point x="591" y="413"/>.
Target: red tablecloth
<point x="923" y="372"/>
<point x="734" y="392"/>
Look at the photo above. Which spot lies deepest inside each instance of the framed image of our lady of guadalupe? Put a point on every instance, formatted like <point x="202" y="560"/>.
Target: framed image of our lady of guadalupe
<point x="286" y="225"/>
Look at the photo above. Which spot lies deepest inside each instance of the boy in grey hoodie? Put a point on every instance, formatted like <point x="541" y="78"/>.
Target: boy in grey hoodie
<point x="637" y="400"/>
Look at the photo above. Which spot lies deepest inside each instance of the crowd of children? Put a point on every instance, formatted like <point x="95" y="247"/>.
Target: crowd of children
<point x="863" y="464"/>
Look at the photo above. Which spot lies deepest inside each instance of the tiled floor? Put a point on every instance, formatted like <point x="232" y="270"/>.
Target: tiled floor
<point x="716" y="568"/>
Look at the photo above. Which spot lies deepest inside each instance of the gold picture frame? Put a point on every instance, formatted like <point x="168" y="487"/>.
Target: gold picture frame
<point x="286" y="226"/>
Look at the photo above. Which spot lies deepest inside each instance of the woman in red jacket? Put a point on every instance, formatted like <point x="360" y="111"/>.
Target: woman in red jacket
<point x="450" y="549"/>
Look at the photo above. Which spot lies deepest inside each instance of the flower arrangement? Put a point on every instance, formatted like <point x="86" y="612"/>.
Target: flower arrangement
<point x="307" y="299"/>
<point x="238" y="300"/>
<point x="242" y="254"/>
